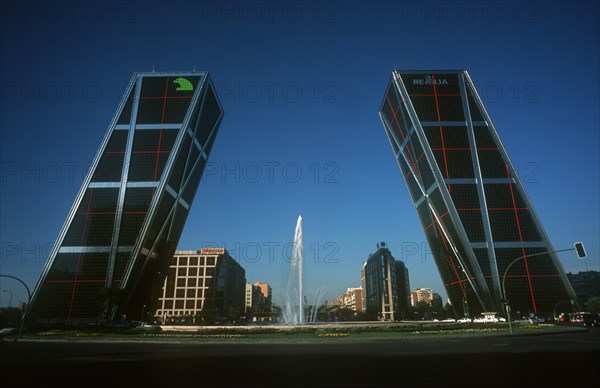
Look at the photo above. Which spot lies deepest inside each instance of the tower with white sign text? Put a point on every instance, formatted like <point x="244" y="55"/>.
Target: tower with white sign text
<point x="473" y="208"/>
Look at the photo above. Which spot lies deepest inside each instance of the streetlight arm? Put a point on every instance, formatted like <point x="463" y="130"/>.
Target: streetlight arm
<point x="22" y="282"/>
<point x="521" y="258"/>
<point x="28" y="301"/>
<point x="503" y="289"/>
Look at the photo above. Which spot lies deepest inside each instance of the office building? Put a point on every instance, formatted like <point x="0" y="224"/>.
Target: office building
<point x="351" y="299"/>
<point x="473" y="208"/>
<point x="382" y="282"/>
<point x="114" y="250"/>
<point x="421" y="295"/>
<point x="204" y="286"/>
<point x="258" y="303"/>
<point x="251" y="296"/>
<point x="266" y="291"/>
<point x="403" y="288"/>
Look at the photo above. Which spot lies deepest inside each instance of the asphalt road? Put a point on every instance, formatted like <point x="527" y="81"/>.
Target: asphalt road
<point x="571" y="359"/>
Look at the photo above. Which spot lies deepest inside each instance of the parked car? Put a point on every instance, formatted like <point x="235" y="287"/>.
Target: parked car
<point x="584" y="318"/>
<point x="8" y="331"/>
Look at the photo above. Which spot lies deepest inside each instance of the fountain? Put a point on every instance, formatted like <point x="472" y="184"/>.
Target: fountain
<point x="295" y="308"/>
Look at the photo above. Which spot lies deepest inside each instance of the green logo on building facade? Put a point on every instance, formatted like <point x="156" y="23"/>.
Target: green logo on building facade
<point x="183" y="83"/>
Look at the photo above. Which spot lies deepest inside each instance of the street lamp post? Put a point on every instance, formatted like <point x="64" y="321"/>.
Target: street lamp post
<point x="11" y="296"/>
<point x="580" y="251"/>
<point x="23" y="313"/>
<point x="466" y="313"/>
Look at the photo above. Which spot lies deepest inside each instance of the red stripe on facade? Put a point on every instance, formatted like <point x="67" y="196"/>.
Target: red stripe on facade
<point x="162" y="121"/>
<point x="462" y="149"/>
<point x="439" y="95"/>
<point x="76" y="281"/>
<point x="512" y="194"/>
<point x="456" y="273"/>
<point x="460" y="282"/>
<point x="138" y="152"/>
<point x="437" y="108"/>
<point x="394" y="118"/>
<point x="492" y="209"/>
<point x="79" y="256"/>
<point x="534" y="276"/>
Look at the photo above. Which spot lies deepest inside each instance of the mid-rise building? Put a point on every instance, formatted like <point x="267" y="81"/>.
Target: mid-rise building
<point x="266" y="292"/>
<point x="249" y="297"/>
<point x="421" y="295"/>
<point x="258" y="303"/>
<point x="351" y="299"/>
<point x="479" y="222"/>
<point x="382" y="281"/>
<point x="363" y="285"/>
<point x="205" y="286"/>
<point x="403" y="288"/>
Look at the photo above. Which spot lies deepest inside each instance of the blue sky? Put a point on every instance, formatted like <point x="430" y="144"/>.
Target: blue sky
<point x="301" y="84"/>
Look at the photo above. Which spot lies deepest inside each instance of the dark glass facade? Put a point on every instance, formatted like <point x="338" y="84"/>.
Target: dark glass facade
<point x="403" y="289"/>
<point x="385" y="285"/>
<point x="113" y="252"/>
<point x="473" y="208"/>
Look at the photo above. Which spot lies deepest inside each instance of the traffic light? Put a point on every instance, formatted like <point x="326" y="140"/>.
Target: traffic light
<point x="580" y="250"/>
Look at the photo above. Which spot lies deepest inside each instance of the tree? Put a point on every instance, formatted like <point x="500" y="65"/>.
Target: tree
<point x="593" y="305"/>
<point x="449" y="310"/>
<point x="206" y="316"/>
<point x="423" y="309"/>
<point x="438" y="310"/>
<point x="346" y="314"/>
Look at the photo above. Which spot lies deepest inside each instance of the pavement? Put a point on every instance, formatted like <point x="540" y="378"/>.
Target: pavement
<point x="568" y="358"/>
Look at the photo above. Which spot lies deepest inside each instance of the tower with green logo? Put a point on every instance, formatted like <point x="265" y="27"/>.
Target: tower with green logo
<point x="113" y="252"/>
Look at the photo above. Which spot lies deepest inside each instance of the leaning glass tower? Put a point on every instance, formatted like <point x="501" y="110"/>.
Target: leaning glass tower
<point x="473" y="208"/>
<point x="114" y="250"/>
